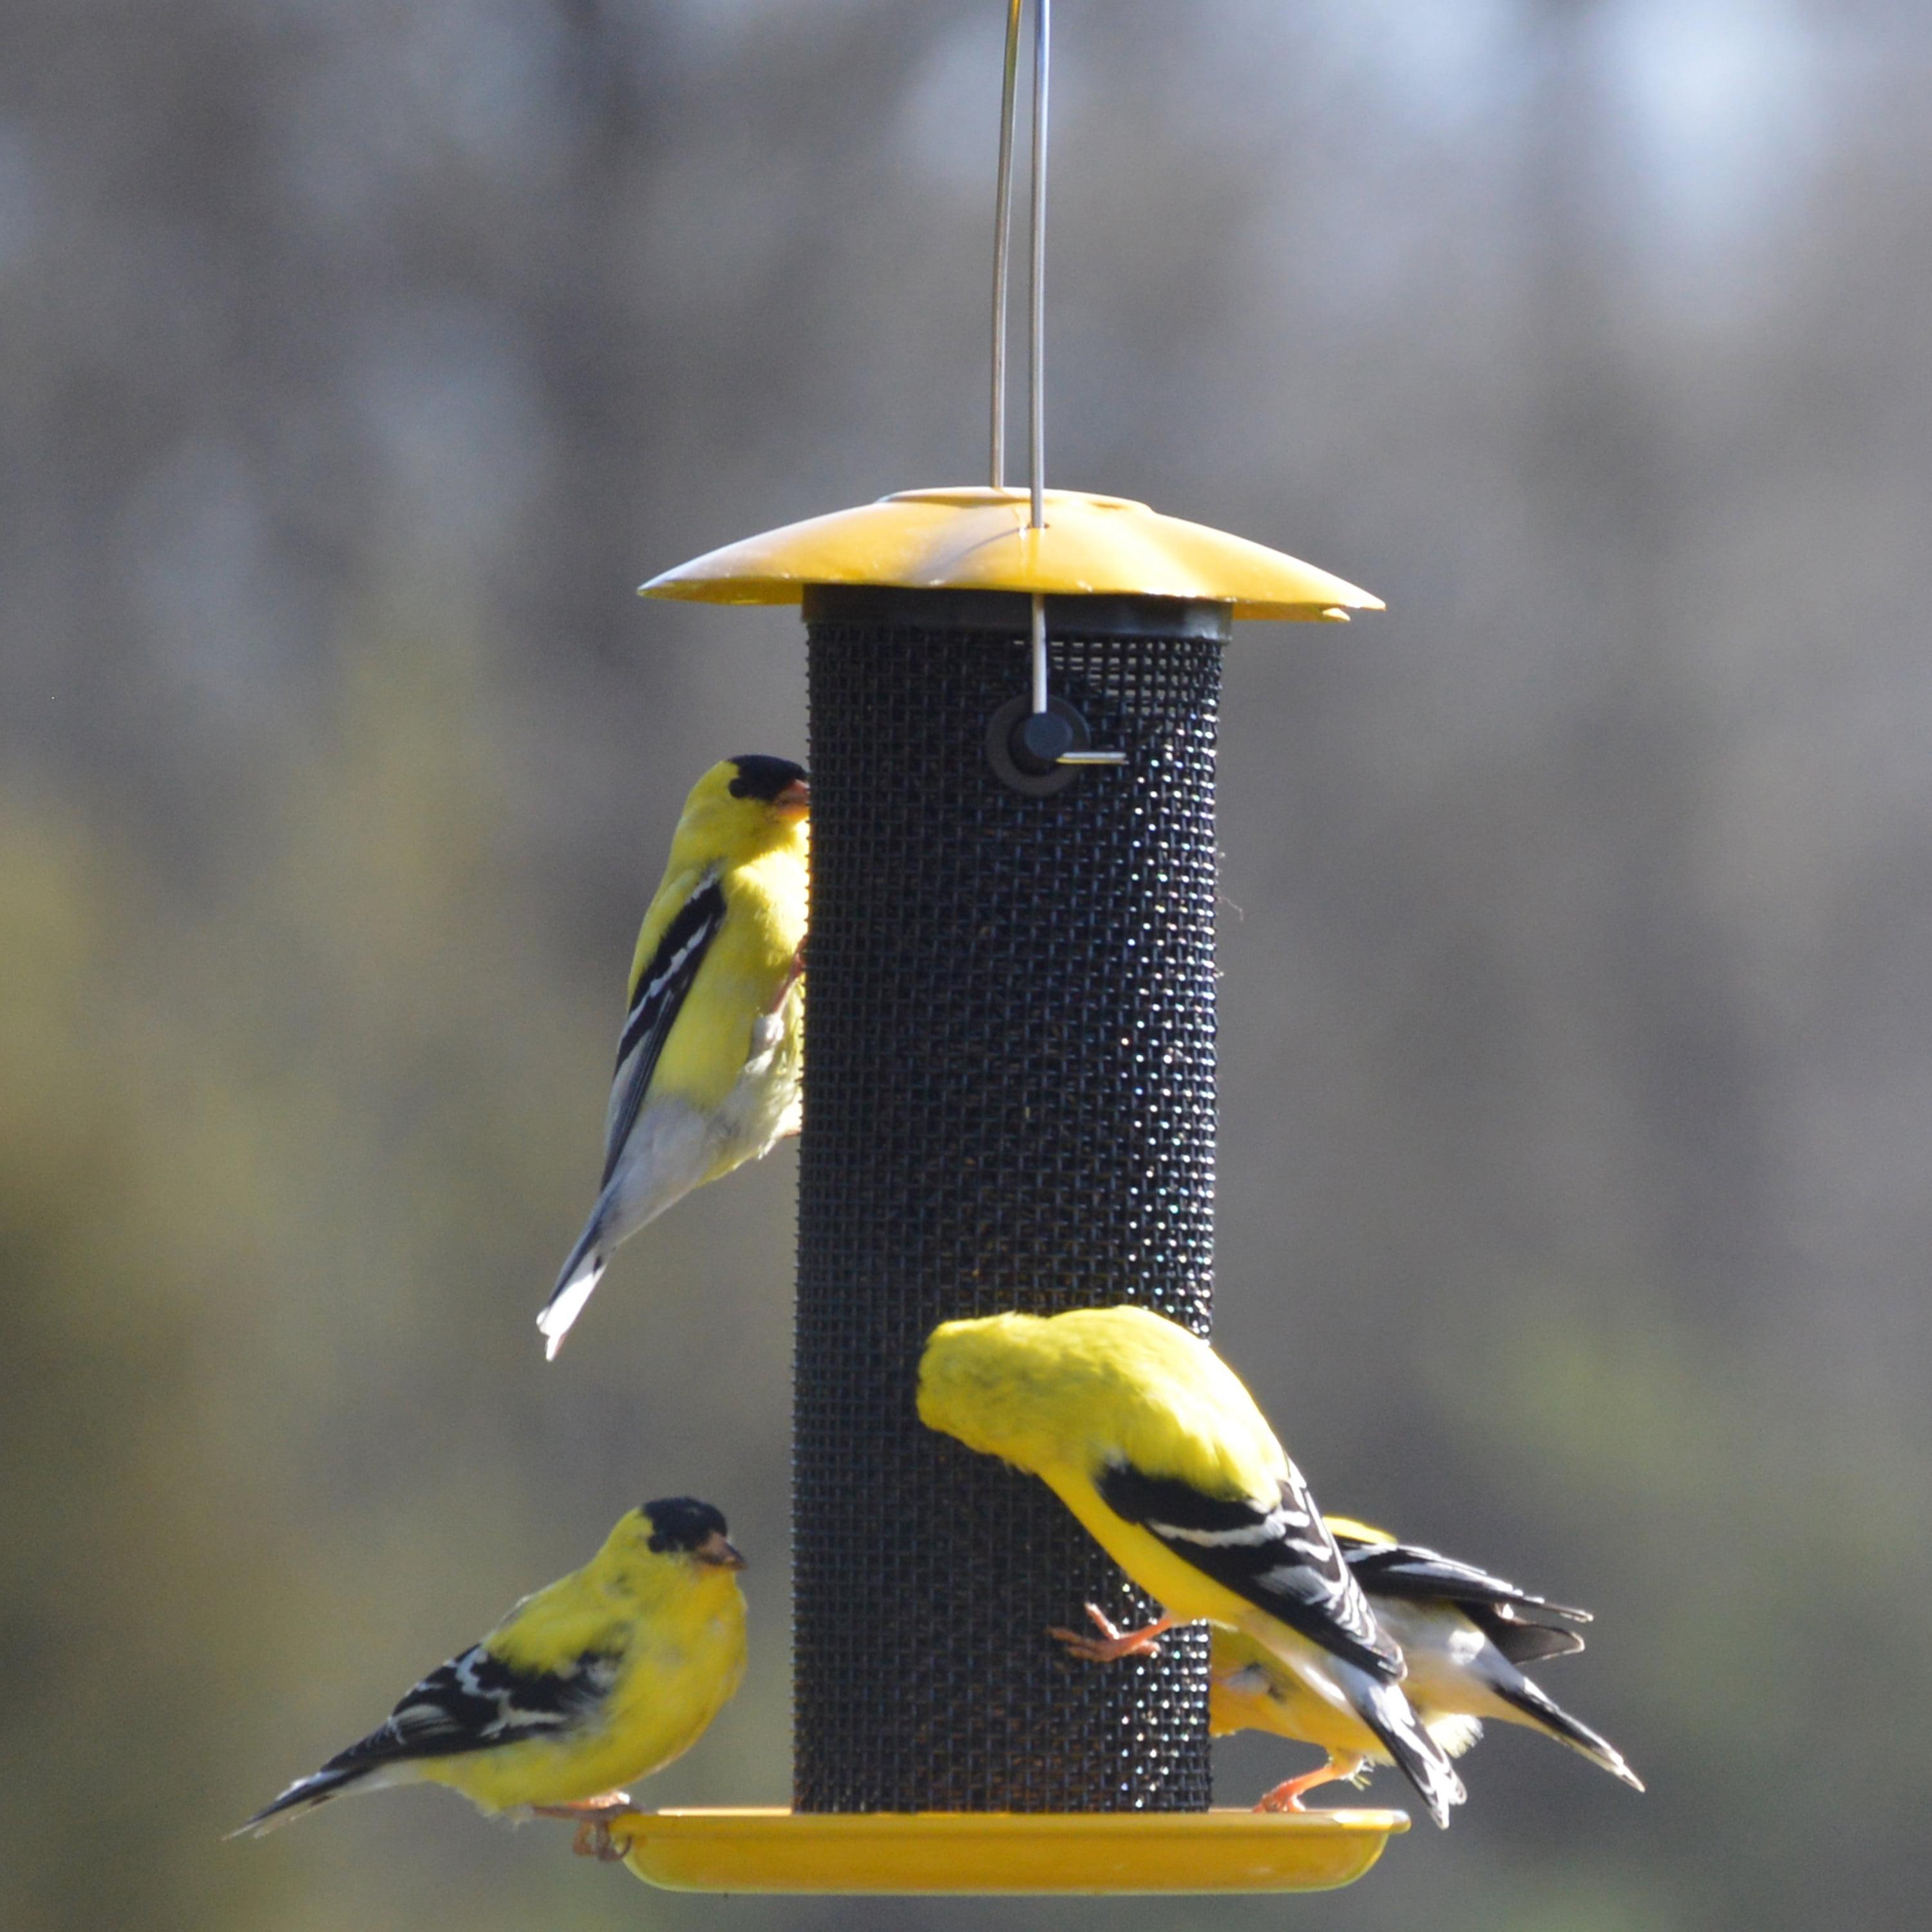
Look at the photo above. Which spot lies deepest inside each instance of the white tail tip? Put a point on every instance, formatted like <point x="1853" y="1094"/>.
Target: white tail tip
<point x="563" y="1309"/>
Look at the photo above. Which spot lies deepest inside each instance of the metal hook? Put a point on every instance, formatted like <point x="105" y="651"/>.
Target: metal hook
<point x="1071" y="751"/>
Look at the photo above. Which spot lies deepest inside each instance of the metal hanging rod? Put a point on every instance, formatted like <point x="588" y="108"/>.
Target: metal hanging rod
<point x="1042" y="16"/>
<point x="1003" y="203"/>
<point x="1002" y="251"/>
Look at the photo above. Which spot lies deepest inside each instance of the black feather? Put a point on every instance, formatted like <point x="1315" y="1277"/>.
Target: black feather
<point x="683" y="1522"/>
<point x="1550" y="1716"/>
<point x="762" y="777"/>
<point x="477" y="1701"/>
<point x="1422" y="1575"/>
<point x="1523" y="1643"/>
<point x="1417" y="1755"/>
<point x="660" y="995"/>
<point x="1281" y="1558"/>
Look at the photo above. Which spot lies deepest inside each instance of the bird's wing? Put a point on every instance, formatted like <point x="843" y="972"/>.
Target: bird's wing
<point x="1276" y="1554"/>
<point x="657" y="998"/>
<point x="477" y="1701"/>
<point x="1404" y="1569"/>
<point x="1522" y="1627"/>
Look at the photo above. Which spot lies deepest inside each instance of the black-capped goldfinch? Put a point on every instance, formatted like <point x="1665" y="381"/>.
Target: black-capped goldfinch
<point x="1464" y="1634"/>
<point x="707" y="1073"/>
<point x="1154" y="1444"/>
<point x="604" y="1676"/>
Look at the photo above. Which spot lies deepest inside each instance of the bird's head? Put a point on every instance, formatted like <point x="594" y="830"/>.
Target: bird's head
<point x="1092" y="1387"/>
<point x="685" y="1530"/>
<point x="669" y="1547"/>
<point x="744" y="806"/>
<point x="996" y="1383"/>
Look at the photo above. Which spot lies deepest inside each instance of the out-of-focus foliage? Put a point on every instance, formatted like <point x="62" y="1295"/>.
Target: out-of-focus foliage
<point x="1577" y="1095"/>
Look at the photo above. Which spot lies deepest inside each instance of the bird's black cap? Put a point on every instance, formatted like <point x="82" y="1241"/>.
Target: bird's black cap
<point x="683" y="1522"/>
<point x="761" y="777"/>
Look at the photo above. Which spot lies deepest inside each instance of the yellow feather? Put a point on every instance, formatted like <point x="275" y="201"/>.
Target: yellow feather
<point x="1350" y="1531"/>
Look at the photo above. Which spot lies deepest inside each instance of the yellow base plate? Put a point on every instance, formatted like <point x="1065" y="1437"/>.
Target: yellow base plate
<point x="743" y="1851"/>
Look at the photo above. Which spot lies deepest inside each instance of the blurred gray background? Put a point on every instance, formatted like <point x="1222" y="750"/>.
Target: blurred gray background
<point x="360" y="356"/>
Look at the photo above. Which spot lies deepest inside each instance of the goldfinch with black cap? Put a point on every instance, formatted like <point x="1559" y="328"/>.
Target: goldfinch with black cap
<point x="1154" y="1445"/>
<point x="1464" y="1634"/>
<point x="708" y="1059"/>
<point x="605" y="1676"/>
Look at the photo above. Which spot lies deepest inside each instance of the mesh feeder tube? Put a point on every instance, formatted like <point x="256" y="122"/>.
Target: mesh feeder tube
<point x="1010" y="1083"/>
<point x="1011" y="1106"/>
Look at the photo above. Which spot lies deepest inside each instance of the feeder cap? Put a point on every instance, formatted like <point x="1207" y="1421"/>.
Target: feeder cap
<point x="979" y="538"/>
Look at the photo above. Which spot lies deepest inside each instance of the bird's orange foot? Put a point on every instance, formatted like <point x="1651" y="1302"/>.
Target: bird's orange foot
<point x="1283" y="1798"/>
<point x="1113" y="1643"/>
<point x="593" y="1815"/>
<point x="1287" y="1796"/>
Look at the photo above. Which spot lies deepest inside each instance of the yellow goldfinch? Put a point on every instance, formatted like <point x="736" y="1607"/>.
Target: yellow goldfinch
<point x="1154" y="1444"/>
<point x="1463" y="1633"/>
<point x="604" y="1676"/>
<point x="707" y="1072"/>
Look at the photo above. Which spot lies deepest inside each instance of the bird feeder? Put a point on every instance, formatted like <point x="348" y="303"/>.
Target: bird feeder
<point x="1010" y="1104"/>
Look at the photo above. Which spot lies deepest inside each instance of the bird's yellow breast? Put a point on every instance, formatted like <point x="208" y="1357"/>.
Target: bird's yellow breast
<point x="743" y="970"/>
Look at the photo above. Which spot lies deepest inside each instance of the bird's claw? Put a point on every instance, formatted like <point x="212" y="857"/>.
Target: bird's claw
<point x="1113" y="1643"/>
<point x="593" y="1838"/>
<point x="1285" y="1797"/>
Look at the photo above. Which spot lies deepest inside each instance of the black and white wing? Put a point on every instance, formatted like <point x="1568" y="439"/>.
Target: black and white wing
<point x="1277" y="1555"/>
<point x="1524" y="1627"/>
<point x="656" y="1000"/>
<point x="474" y="1702"/>
<point x="477" y="1701"/>
<point x="1521" y="1625"/>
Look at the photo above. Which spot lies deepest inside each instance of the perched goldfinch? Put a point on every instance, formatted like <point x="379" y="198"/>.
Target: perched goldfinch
<point x="1154" y="1444"/>
<point x="604" y="1676"/>
<point x="708" y="1061"/>
<point x="1463" y="1634"/>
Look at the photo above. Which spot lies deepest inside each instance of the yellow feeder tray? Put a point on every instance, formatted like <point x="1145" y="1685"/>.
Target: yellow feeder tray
<point x="982" y="539"/>
<point x="1003" y="1852"/>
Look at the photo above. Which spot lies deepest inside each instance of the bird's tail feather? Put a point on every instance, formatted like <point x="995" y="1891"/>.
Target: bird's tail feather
<point x="1547" y="1715"/>
<point x="576" y="1285"/>
<point x="304" y="1795"/>
<point x="1389" y="1714"/>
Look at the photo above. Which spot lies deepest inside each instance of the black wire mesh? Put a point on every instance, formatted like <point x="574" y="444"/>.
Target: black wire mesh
<point x="1010" y="1086"/>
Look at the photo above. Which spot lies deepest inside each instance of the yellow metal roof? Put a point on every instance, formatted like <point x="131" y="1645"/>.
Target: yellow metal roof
<point x="980" y="539"/>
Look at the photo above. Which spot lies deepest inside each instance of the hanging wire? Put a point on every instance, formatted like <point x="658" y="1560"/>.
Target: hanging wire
<point x="1042" y="23"/>
<point x="1003" y="205"/>
<point x="1003" y="243"/>
<point x="1043" y="20"/>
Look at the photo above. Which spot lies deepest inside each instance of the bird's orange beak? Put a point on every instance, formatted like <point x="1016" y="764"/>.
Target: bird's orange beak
<point x="794" y="802"/>
<point x="715" y="1550"/>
